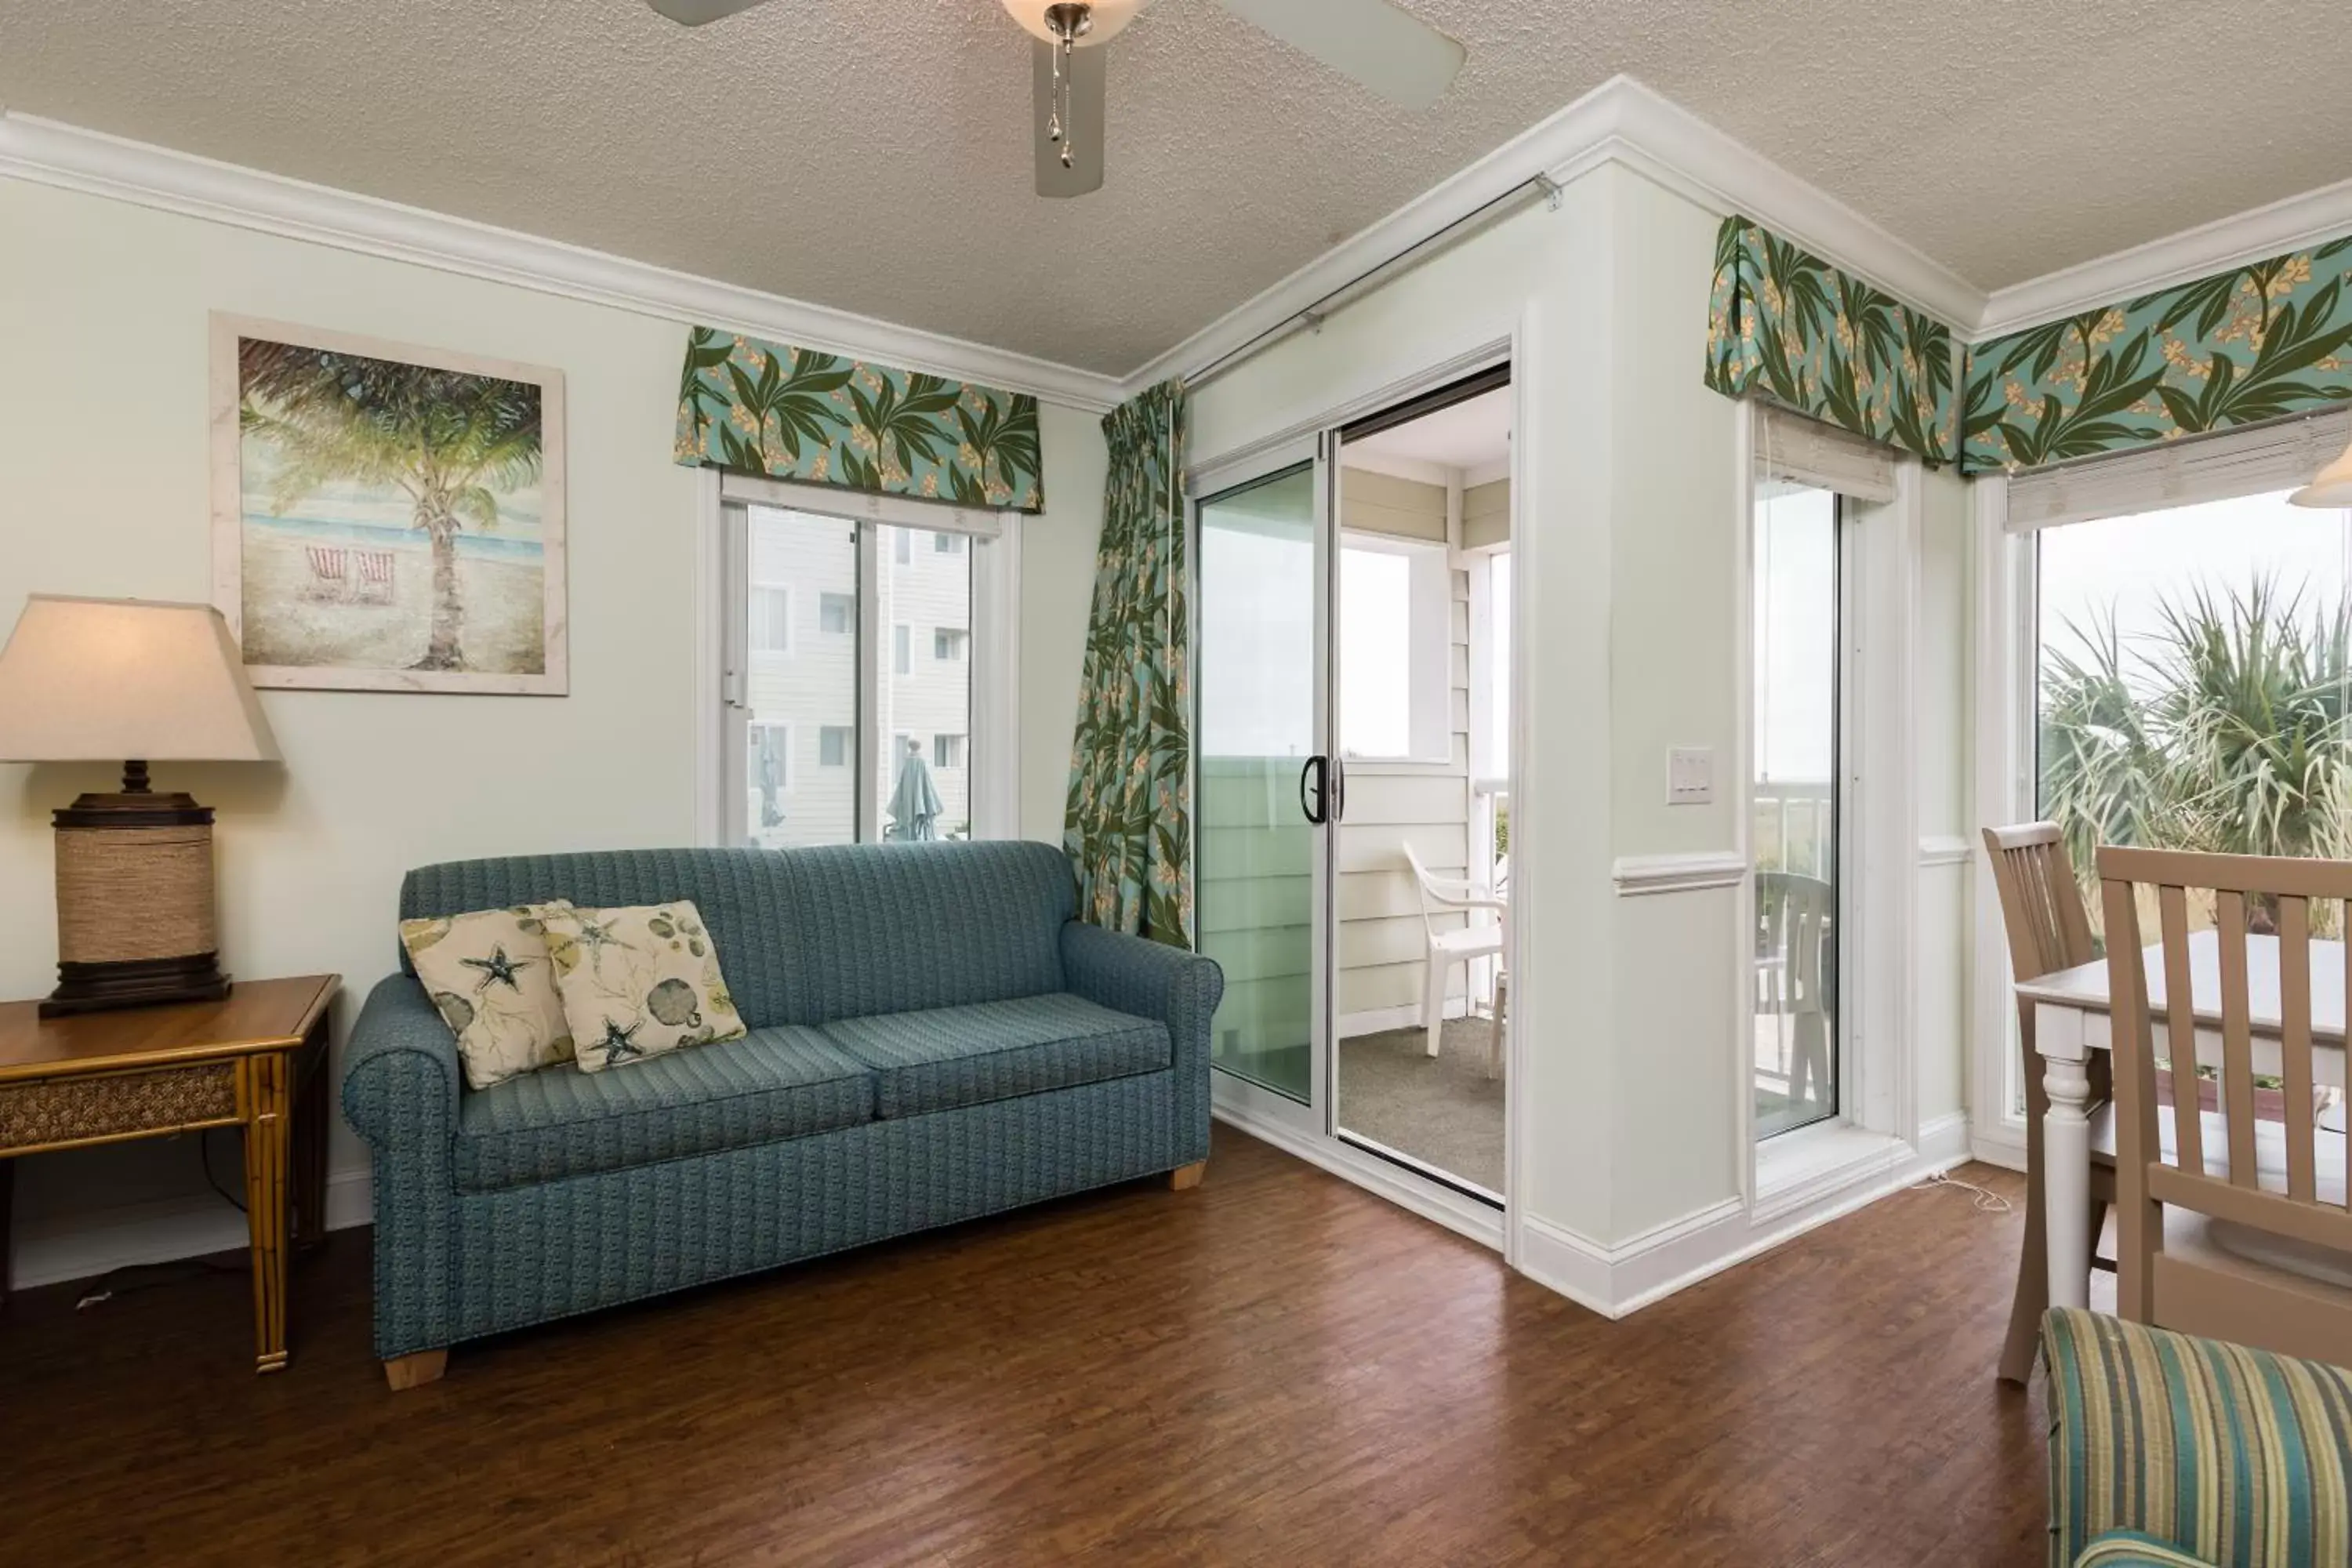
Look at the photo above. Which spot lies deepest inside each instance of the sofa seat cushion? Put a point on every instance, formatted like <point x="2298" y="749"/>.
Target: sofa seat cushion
<point x="947" y="1057"/>
<point x="560" y="1122"/>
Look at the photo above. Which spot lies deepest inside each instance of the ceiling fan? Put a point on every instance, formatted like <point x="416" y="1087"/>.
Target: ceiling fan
<point x="1377" y="42"/>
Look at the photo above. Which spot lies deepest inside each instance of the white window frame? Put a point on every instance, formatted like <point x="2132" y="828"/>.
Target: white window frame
<point x="902" y="647"/>
<point x="2008" y="667"/>
<point x="824" y="630"/>
<point x="1429" y="672"/>
<point x="722" y="563"/>
<point x="1878" y="1125"/>
<point x="943" y="741"/>
<point x="946" y="543"/>
<point x="956" y="639"/>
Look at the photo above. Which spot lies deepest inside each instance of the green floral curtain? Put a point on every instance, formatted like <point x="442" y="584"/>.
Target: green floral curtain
<point x="1128" y="828"/>
<point x="1785" y="324"/>
<point x="2252" y="343"/>
<point x="795" y="414"/>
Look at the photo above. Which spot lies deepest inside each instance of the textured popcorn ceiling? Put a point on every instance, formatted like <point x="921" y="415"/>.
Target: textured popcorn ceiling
<point x="875" y="157"/>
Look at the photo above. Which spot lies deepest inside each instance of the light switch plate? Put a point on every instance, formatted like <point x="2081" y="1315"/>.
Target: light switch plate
<point x="1690" y="776"/>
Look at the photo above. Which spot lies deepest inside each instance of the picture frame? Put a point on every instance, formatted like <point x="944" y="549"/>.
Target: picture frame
<point x="387" y="517"/>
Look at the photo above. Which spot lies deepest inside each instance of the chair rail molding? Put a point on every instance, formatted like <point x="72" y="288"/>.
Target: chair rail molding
<point x="67" y="157"/>
<point x="1637" y="876"/>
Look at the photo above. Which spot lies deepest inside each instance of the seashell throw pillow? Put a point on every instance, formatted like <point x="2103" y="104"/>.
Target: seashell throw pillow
<point x="489" y="976"/>
<point x="637" y="982"/>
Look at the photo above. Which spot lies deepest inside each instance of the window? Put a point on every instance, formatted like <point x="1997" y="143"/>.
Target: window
<point x="865" y="723"/>
<point x="769" y="753"/>
<point x="771" y="618"/>
<point x="946" y="543"/>
<point x="1396" y="650"/>
<point x="1794" y="794"/>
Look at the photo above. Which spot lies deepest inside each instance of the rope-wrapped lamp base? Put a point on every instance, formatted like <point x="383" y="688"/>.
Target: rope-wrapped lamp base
<point x="135" y="921"/>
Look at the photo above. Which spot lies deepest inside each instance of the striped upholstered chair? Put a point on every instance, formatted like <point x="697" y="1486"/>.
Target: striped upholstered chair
<point x="2168" y="1450"/>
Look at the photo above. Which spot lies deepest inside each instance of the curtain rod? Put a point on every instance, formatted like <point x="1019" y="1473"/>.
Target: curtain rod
<point x="1313" y="315"/>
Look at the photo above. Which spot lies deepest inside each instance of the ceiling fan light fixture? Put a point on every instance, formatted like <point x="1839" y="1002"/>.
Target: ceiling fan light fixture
<point x="1105" y="17"/>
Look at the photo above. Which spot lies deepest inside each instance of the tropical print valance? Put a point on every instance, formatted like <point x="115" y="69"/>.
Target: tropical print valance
<point x="2252" y="343"/>
<point x="1128" y="826"/>
<point x="1784" y="324"/>
<point x="795" y="414"/>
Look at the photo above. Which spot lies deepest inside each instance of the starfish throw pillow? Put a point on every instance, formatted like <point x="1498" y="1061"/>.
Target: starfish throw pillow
<point x="637" y="982"/>
<point x="489" y="976"/>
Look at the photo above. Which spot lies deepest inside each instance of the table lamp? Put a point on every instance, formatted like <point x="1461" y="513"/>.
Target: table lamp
<point x="86" y="681"/>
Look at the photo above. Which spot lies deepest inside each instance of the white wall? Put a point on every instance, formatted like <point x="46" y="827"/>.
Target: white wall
<point x="103" y="484"/>
<point x="1630" y="579"/>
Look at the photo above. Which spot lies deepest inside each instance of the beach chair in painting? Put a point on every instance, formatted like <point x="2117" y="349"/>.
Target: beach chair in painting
<point x="376" y="586"/>
<point x="331" y="568"/>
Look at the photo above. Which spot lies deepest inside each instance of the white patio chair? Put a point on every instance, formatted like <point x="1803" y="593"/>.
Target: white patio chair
<point x="1445" y="896"/>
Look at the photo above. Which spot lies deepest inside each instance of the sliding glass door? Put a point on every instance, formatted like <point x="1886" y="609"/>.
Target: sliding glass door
<point x="1266" y="789"/>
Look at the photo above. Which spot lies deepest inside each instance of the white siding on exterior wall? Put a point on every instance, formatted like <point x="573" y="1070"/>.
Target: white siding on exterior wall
<point x="1486" y="515"/>
<point x="809" y="685"/>
<point x="930" y="592"/>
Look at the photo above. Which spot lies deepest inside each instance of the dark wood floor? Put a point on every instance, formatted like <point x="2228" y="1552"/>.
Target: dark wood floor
<point x="1274" y="1368"/>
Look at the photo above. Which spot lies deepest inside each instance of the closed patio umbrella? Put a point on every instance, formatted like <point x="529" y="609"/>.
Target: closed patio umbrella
<point x="915" y="804"/>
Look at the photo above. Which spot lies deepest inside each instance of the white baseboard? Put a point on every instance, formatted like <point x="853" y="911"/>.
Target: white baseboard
<point x="84" y="1246"/>
<point x="1465" y="1216"/>
<point x="1616" y="1280"/>
<point x="1998" y="1146"/>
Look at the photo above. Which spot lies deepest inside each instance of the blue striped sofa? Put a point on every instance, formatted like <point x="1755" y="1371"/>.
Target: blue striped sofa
<point x="932" y="1037"/>
<point x="2170" y="1451"/>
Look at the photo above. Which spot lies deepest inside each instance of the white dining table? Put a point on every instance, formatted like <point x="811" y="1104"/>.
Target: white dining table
<point x="2071" y="1021"/>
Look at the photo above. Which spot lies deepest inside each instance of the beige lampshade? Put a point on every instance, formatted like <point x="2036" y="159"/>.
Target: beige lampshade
<point x="93" y="680"/>
<point x="2332" y="487"/>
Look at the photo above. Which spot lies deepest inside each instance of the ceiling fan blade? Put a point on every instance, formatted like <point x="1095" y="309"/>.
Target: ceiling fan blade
<point x="1082" y="127"/>
<point x="694" y="13"/>
<point x="1383" y="45"/>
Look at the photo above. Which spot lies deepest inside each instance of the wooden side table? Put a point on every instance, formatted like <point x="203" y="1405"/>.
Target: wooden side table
<point x="256" y="1059"/>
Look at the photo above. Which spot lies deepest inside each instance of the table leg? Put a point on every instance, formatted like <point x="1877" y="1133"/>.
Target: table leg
<point x="7" y="1206"/>
<point x="268" y="1130"/>
<point x="311" y="1131"/>
<point x="2066" y="1148"/>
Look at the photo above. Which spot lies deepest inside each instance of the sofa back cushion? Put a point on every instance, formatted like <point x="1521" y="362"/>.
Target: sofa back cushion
<point x="898" y="928"/>
<point x="808" y="935"/>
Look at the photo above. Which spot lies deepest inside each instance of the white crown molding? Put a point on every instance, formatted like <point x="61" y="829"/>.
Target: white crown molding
<point x="2252" y="235"/>
<point x="69" y="157"/>
<point x="1637" y="876"/>
<point x="1621" y="121"/>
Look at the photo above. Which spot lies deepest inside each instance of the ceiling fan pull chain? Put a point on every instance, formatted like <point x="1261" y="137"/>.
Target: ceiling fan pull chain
<point x="1062" y="76"/>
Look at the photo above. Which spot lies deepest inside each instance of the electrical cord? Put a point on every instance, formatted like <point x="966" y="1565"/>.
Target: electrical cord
<point x="146" y="1276"/>
<point x="1984" y="1202"/>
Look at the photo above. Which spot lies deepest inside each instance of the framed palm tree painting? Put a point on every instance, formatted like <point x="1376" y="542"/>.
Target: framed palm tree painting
<point x="386" y="518"/>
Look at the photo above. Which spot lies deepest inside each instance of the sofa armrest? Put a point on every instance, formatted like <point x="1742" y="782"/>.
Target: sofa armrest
<point x="2147" y="1428"/>
<point x="1152" y="980"/>
<point x="2131" y="1549"/>
<point x="401" y="1076"/>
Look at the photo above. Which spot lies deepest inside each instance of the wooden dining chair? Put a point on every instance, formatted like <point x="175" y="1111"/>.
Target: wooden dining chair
<point x="2041" y="909"/>
<point x="2240" y="1243"/>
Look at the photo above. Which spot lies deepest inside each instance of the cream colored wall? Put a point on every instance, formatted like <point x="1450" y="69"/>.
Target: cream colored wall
<point x="103" y="485"/>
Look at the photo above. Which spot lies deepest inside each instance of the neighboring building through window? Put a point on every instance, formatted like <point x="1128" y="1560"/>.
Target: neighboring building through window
<point x="948" y="543"/>
<point x="837" y="612"/>
<point x="947" y="750"/>
<point x="902" y="650"/>
<point x="833" y="745"/>
<point x="948" y="644"/>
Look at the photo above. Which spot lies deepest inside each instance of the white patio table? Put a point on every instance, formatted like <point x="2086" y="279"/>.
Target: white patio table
<point x="2070" y="1022"/>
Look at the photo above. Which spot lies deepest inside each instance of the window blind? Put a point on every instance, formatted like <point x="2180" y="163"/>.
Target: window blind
<point x="1807" y="452"/>
<point x="864" y="506"/>
<point x="2190" y="471"/>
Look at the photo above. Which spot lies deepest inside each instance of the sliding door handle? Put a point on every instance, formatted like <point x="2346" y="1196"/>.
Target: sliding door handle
<point x="1316" y="806"/>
